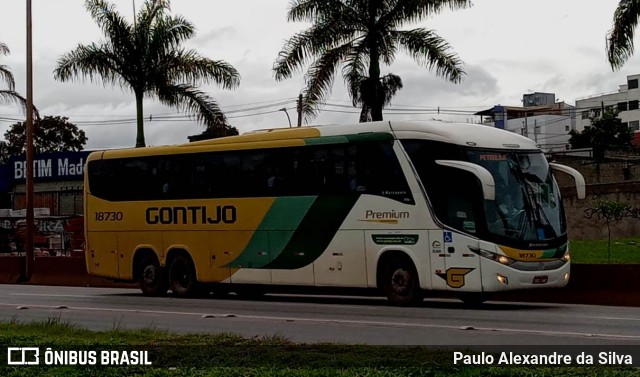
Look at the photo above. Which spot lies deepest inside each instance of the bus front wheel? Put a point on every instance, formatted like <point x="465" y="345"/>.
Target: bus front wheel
<point x="152" y="279"/>
<point x="401" y="284"/>
<point x="182" y="277"/>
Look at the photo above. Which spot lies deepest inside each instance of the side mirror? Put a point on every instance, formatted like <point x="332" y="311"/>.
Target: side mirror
<point x="579" y="179"/>
<point x="483" y="175"/>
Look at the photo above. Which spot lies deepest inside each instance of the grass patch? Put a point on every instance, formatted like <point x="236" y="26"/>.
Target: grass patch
<point x="623" y="251"/>
<point x="231" y="355"/>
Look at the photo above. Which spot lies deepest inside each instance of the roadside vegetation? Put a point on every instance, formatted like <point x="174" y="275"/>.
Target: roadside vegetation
<point x="231" y="355"/>
<point x="623" y="251"/>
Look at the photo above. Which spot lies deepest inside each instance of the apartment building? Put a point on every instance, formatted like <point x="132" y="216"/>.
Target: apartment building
<point x="626" y="101"/>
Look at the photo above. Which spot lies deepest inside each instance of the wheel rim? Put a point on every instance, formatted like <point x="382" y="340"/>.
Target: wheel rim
<point x="182" y="275"/>
<point x="149" y="276"/>
<point x="401" y="281"/>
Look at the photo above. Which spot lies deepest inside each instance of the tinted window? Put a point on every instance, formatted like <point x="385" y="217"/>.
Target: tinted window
<point x="337" y="169"/>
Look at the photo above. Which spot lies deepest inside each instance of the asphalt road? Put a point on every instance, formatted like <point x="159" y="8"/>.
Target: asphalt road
<point x="313" y="319"/>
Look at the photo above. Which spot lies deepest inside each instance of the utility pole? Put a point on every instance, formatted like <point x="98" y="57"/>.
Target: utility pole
<point x="299" y="106"/>
<point x="29" y="149"/>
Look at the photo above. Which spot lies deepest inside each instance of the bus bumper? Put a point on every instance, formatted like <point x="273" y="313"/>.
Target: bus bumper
<point x="498" y="277"/>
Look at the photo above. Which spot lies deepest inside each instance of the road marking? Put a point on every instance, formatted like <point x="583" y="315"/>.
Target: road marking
<point x="49" y="295"/>
<point x="344" y="322"/>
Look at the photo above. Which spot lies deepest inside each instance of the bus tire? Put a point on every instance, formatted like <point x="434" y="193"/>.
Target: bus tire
<point x="182" y="277"/>
<point x="152" y="279"/>
<point x="400" y="283"/>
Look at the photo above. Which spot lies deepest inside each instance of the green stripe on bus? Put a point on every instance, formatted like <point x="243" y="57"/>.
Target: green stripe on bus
<point x="315" y="232"/>
<point x="274" y="232"/>
<point x="326" y="140"/>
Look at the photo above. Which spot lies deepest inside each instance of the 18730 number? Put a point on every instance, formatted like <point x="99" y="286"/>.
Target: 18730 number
<point x="109" y="216"/>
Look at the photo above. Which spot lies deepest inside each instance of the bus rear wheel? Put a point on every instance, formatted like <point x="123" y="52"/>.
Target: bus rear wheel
<point x="401" y="284"/>
<point x="151" y="277"/>
<point x="182" y="277"/>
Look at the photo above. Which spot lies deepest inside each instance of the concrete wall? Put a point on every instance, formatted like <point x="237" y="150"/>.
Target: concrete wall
<point x="582" y="228"/>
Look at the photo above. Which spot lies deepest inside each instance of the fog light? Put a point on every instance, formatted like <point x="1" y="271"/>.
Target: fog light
<point x="503" y="279"/>
<point x="566" y="276"/>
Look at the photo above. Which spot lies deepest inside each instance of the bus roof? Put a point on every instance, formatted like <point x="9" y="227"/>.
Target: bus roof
<point x="455" y="133"/>
<point x="466" y="134"/>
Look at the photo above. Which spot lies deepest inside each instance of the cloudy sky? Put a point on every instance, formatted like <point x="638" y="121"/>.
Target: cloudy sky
<point x="509" y="47"/>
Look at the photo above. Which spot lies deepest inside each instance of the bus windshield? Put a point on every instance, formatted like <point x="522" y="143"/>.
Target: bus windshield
<point x="527" y="211"/>
<point x="528" y="206"/>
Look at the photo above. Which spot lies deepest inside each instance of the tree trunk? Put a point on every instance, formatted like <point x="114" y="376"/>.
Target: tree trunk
<point x="140" y="120"/>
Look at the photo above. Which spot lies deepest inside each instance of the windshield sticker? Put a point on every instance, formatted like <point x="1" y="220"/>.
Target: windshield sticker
<point x="469" y="226"/>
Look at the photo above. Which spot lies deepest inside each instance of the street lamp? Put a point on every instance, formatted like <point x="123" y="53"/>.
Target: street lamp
<point x="285" y="111"/>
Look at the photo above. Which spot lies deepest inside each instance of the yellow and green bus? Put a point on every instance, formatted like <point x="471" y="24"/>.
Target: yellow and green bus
<point x="401" y="207"/>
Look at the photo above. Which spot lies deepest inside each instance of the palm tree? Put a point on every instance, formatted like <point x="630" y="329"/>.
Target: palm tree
<point x="360" y="89"/>
<point x="360" y="35"/>
<point x="147" y="57"/>
<point x="5" y="75"/>
<point x="620" y="37"/>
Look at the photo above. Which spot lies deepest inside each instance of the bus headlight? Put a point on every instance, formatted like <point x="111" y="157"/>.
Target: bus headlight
<point x="502" y="259"/>
<point x="567" y="256"/>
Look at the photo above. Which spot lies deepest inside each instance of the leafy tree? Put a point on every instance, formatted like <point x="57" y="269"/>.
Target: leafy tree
<point x="610" y="211"/>
<point x="620" y="37"/>
<point x="214" y="133"/>
<point x="9" y="94"/>
<point x="361" y="35"/>
<point x="50" y="134"/>
<point x="147" y="57"/>
<point x="605" y="133"/>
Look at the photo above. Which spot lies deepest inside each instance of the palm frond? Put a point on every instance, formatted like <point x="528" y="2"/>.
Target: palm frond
<point x="390" y="85"/>
<point x="190" y="67"/>
<point x="195" y="103"/>
<point x="4" y="49"/>
<point x="410" y="11"/>
<point x="355" y="71"/>
<point x="620" y="38"/>
<point x="168" y="32"/>
<point x="430" y="50"/>
<point x="91" y="61"/>
<point x="117" y="30"/>
<point x="308" y="44"/>
<point x="7" y="77"/>
<point x="312" y="10"/>
<point x="319" y="79"/>
<point x="15" y="97"/>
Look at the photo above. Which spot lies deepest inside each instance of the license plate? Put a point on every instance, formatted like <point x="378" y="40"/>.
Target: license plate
<point x="540" y="279"/>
